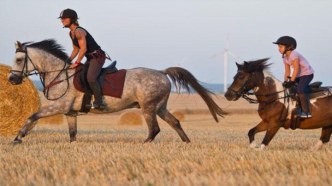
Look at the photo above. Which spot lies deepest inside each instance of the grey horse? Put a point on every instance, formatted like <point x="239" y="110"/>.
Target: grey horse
<point x="144" y="88"/>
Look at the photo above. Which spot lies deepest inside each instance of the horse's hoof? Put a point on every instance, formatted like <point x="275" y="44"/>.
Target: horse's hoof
<point x="149" y="140"/>
<point x="261" y="147"/>
<point x="318" y="146"/>
<point x="17" y="141"/>
<point x="187" y="141"/>
<point x="253" y="145"/>
<point x="72" y="139"/>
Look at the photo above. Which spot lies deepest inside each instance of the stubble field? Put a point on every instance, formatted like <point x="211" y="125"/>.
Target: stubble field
<point x="110" y="154"/>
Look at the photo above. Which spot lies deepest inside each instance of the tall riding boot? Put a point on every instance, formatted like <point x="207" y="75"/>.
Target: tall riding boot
<point x="96" y="89"/>
<point x="305" y="105"/>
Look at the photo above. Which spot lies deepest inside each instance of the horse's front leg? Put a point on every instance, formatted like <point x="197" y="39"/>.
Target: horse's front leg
<point x="262" y="126"/>
<point x="31" y="122"/>
<point x="270" y="133"/>
<point x="72" y="124"/>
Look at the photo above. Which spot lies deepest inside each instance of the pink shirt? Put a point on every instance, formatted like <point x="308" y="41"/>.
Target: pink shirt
<point x="305" y="68"/>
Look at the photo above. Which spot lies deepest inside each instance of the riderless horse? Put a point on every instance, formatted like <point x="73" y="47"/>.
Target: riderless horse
<point x="277" y="105"/>
<point x="143" y="88"/>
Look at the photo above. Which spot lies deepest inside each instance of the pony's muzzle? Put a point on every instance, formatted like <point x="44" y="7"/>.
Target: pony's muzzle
<point x="15" y="79"/>
<point x="231" y="96"/>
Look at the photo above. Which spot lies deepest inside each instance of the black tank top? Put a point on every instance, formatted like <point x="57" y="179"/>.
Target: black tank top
<point x="91" y="44"/>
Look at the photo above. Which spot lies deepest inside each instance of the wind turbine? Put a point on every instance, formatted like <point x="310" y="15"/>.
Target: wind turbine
<point x="226" y="54"/>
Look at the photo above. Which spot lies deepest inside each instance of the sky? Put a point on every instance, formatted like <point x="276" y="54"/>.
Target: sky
<point x="192" y="34"/>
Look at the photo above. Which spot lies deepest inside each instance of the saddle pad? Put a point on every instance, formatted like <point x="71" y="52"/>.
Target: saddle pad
<point x="113" y="83"/>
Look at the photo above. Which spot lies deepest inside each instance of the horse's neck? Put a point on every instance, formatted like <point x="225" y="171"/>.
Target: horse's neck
<point x="49" y="65"/>
<point x="270" y="86"/>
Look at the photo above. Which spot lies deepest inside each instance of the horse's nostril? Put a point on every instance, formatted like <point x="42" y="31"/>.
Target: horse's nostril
<point x="14" y="80"/>
<point x="11" y="78"/>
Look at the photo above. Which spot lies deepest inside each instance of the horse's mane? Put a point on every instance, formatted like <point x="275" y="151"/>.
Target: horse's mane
<point x="254" y="66"/>
<point x="50" y="46"/>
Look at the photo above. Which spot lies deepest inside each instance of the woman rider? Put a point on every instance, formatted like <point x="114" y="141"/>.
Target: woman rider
<point x="85" y="45"/>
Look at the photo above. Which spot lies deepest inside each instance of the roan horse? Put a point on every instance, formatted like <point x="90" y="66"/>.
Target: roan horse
<point x="144" y="88"/>
<point x="274" y="109"/>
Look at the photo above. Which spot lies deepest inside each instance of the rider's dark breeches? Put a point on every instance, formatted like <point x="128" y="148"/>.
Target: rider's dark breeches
<point x="95" y="66"/>
<point x="303" y="84"/>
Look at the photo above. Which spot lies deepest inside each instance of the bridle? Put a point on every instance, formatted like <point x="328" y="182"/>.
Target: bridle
<point x="243" y="90"/>
<point x="25" y="73"/>
<point x="244" y="93"/>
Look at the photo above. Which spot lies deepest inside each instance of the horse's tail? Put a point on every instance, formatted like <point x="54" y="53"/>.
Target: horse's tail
<point x="182" y="78"/>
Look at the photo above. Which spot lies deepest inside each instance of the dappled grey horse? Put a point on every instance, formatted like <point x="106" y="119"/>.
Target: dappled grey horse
<point x="144" y="88"/>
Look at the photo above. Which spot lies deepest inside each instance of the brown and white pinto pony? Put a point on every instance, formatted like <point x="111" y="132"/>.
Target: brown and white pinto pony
<point x="274" y="111"/>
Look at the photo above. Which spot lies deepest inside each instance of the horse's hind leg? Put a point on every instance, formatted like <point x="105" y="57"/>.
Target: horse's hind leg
<point x="174" y="123"/>
<point x="324" y="138"/>
<point x="262" y="126"/>
<point x="151" y="120"/>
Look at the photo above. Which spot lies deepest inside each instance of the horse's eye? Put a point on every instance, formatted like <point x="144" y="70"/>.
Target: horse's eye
<point x="19" y="61"/>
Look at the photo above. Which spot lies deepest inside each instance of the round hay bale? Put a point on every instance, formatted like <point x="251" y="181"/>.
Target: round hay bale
<point x="17" y="103"/>
<point x="130" y="118"/>
<point x="52" y="120"/>
<point x="179" y="115"/>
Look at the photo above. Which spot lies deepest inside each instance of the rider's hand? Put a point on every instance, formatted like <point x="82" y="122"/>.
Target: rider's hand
<point x="74" y="65"/>
<point x="288" y="84"/>
<point x="284" y="83"/>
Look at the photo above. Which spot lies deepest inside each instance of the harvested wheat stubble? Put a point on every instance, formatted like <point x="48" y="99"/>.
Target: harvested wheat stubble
<point x="131" y="118"/>
<point x="17" y="103"/>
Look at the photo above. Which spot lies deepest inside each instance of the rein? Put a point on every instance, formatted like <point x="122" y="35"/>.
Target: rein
<point x="255" y="101"/>
<point x="42" y="75"/>
<point x="243" y="92"/>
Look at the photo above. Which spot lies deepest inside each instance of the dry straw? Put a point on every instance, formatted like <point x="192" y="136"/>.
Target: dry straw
<point x="17" y="103"/>
<point x="131" y="118"/>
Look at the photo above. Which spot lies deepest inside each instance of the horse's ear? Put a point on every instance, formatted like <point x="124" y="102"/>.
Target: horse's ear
<point x="18" y="45"/>
<point x="238" y="66"/>
<point x="246" y="66"/>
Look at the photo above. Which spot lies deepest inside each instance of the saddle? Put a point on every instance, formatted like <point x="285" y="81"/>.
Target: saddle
<point x="111" y="81"/>
<point x="316" y="90"/>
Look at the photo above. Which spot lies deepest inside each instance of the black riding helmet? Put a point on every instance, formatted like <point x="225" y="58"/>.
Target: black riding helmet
<point x="68" y="13"/>
<point x="288" y="41"/>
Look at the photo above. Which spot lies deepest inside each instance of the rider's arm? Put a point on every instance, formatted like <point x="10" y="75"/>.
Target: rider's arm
<point x="74" y="52"/>
<point x="287" y="72"/>
<point x="80" y="35"/>
<point x="296" y="66"/>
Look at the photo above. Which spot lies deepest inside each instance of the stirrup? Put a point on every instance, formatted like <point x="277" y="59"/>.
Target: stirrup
<point x="101" y="106"/>
<point x="305" y="115"/>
